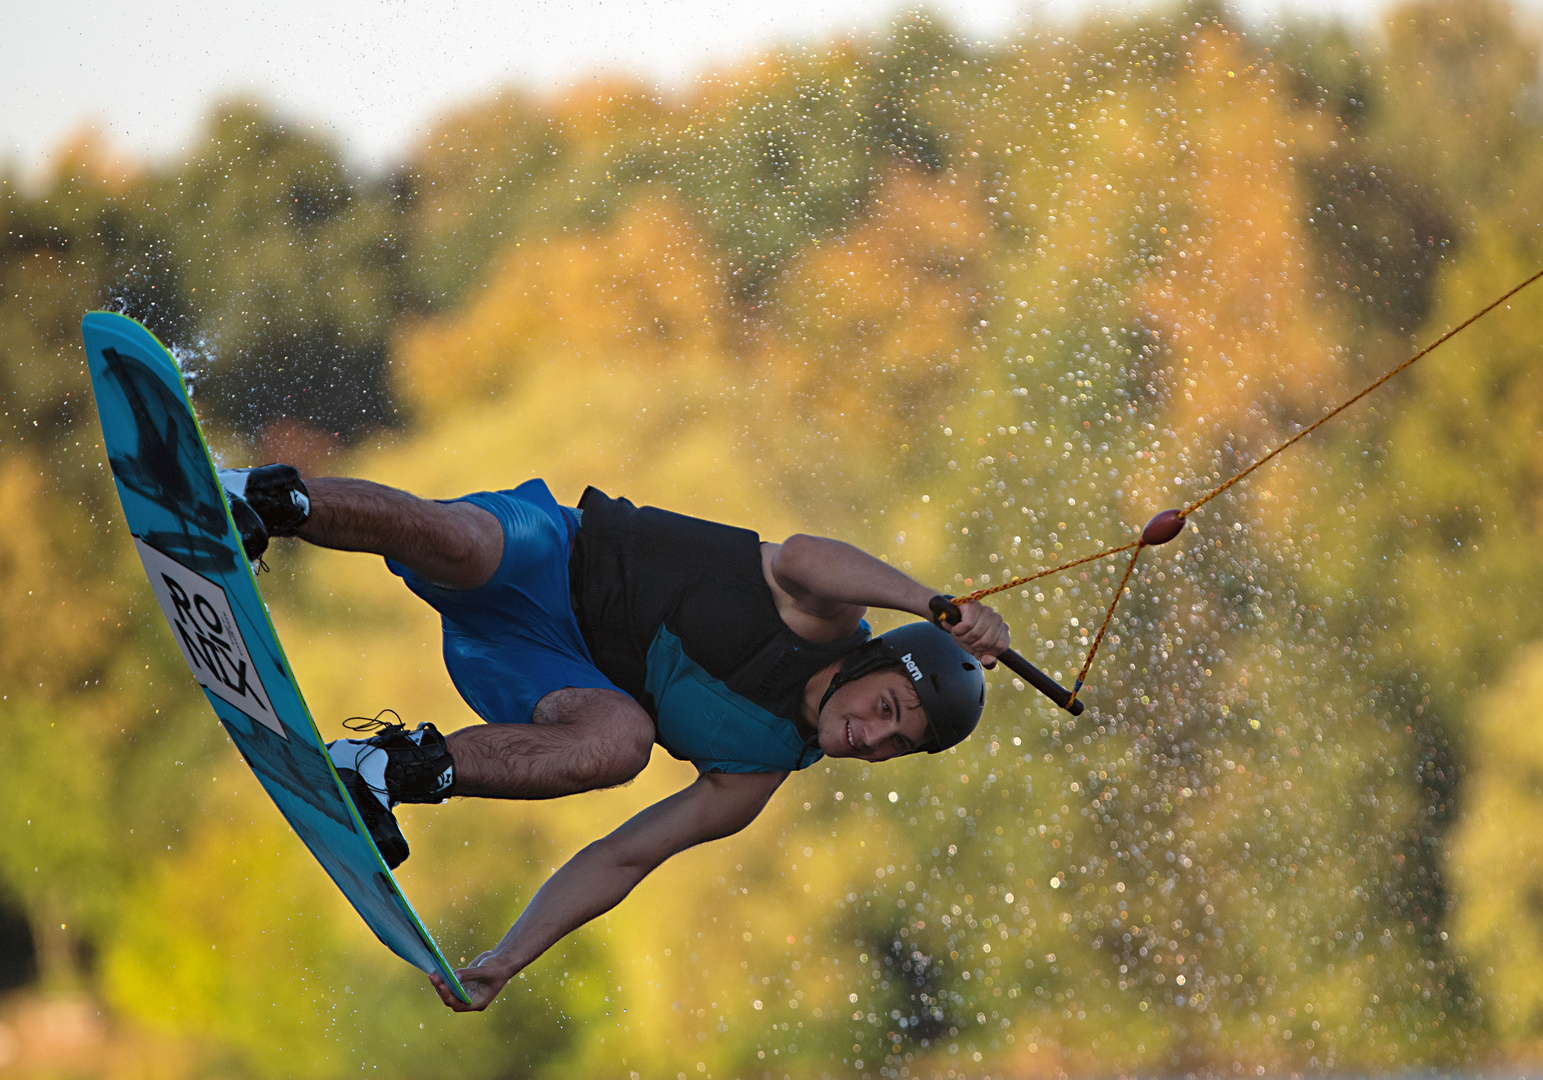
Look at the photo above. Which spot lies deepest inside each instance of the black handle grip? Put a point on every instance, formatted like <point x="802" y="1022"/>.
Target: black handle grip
<point x="946" y="613"/>
<point x="1041" y="682"/>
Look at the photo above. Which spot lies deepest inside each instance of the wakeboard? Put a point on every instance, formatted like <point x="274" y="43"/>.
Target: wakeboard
<point x="183" y="532"/>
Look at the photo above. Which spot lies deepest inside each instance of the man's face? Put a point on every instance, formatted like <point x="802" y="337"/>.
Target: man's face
<point x="873" y="718"/>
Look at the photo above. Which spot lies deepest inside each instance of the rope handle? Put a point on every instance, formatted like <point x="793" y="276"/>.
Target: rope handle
<point x="945" y="612"/>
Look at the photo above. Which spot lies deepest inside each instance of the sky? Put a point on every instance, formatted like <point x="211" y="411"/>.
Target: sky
<point x="141" y="77"/>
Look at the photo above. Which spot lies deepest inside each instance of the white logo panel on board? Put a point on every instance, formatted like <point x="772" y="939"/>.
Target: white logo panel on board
<point x="205" y="629"/>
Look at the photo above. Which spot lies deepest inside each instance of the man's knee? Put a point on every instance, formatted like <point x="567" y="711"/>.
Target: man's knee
<point x="630" y="735"/>
<point x="617" y="735"/>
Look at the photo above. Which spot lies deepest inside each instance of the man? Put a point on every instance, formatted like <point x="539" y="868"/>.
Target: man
<point x="583" y="636"/>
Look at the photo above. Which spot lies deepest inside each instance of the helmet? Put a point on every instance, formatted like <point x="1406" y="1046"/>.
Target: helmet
<point x="947" y="679"/>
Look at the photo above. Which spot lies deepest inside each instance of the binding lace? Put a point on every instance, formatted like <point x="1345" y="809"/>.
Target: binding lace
<point x="374" y="723"/>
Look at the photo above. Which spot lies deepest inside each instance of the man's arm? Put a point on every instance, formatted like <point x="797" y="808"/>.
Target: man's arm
<point x="823" y="586"/>
<point x="597" y="878"/>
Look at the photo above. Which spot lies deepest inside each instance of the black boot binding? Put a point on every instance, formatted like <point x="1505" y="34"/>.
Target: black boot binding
<point x="392" y="767"/>
<point x="270" y="500"/>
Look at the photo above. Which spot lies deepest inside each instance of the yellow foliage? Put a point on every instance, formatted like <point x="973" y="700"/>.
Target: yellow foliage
<point x="1496" y="859"/>
<point x="644" y="295"/>
<point x="1250" y="352"/>
<point x="891" y="303"/>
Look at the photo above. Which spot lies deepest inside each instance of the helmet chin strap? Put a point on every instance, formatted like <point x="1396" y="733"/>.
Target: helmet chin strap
<point x="836" y="682"/>
<point x="864" y="660"/>
<point x="812" y="740"/>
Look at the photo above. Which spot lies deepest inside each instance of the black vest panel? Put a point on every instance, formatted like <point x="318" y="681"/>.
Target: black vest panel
<point x="635" y="569"/>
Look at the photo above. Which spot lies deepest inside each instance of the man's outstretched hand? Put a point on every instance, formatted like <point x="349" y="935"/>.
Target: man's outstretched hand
<point x="481" y="981"/>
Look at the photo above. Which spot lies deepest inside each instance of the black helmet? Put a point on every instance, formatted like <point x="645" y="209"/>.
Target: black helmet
<point x="947" y="679"/>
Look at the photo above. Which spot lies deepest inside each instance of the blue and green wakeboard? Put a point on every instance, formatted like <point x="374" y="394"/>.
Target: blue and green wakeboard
<point x="184" y="534"/>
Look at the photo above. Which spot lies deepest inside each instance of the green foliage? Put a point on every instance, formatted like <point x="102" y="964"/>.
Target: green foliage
<point x="792" y="152"/>
<point x="296" y="270"/>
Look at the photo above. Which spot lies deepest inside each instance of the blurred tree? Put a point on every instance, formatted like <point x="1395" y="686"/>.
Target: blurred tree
<point x="512" y="168"/>
<point x="1494" y="861"/>
<point x="1377" y="214"/>
<point x="295" y="271"/>
<point x="79" y="727"/>
<point x="1458" y="82"/>
<point x="790" y="149"/>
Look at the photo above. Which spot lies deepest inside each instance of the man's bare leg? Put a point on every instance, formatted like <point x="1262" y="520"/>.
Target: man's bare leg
<point x="456" y="545"/>
<point x="580" y="739"/>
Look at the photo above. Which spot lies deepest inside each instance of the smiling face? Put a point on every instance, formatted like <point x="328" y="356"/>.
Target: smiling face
<point x="873" y="718"/>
